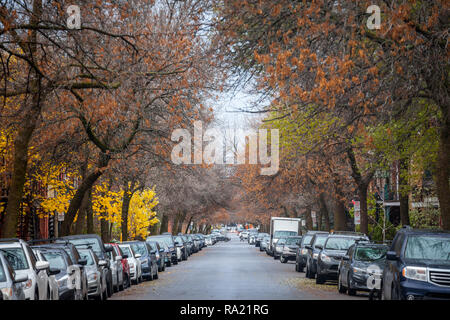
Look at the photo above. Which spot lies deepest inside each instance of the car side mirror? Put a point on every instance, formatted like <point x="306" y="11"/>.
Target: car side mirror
<point x="102" y="263"/>
<point x="319" y="246"/>
<point x="82" y="262"/>
<point x="137" y="256"/>
<point x="346" y="258"/>
<point x="20" y="278"/>
<point x="118" y="258"/>
<point x="308" y="247"/>
<point x="108" y="248"/>
<point x="161" y="250"/>
<point x="42" y="265"/>
<point x="177" y="243"/>
<point x="391" y="255"/>
<point x="125" y="256"/>
<point x="54" y="271"/>
<point x="153" y="252"/>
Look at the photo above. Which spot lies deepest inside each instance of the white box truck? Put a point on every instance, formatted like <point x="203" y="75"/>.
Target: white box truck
<point x="283" y="227"/>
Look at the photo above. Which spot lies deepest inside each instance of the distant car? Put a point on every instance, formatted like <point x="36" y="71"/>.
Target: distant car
<point x="302" y="252"/>
<point x="417" y="266"/>
<point x="264" y="243"/>
<point x="363" y="263"/>
<point x="259" y="238"/>
<point x="189" y="243"/>
<point x="125" y="266"/>
<point x="96" y="272"/>
<point x="63" y="271"/>
<point x="244" y="235"/>
<point x="148" y="258"/>
<point x="10" y="284"/>
<point x="278" y="248"/>
<point x="134" y="262"/>
<point x="209" y="240"/>
<point x="290" y="249"/>
<point x="334" y="248"/>
<point x="24" y="263"/>
<point x="313" y="250"/>
<point x="169" y="240"/>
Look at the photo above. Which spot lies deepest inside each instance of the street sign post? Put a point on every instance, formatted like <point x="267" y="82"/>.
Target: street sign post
<point x="357" y="212"/>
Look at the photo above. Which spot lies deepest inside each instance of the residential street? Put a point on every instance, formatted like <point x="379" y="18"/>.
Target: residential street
<point x="232" y="270"/>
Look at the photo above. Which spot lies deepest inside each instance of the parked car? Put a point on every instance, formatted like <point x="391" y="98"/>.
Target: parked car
<point x="160" y="255"/>
<point x="11" y="287"/>
<point x="62" y="272"/>
<point x="115" y="262"/>
<point x="190" y="244"/>
<point x="125" y="265"/>
<point x="167" y="253"/>
<point x="278" y="248"/>
<point x="259" y="238"/>
<point x="252" y="237"/>
<point x="134" y="262"/>
<point x="243" y="235"/>
<point x="302" y="252"/>
<point x="264" y="243"/>
<point x="209" y="240"/>
<point x="169" y="240"/>
<point x="149" y="264"/>
<point x="94" y="242"/>
<point x="289" y="251"/>
<point x="81" y="283"/>
<point x="24" y="263"/>
<point x="314" y="248"/>
<point x="363" y="263"/>
<point x="97" y="273"/>
<point x="182" y="245"/>
<point x="334" y="248"/>
<point x="417" y="266"/>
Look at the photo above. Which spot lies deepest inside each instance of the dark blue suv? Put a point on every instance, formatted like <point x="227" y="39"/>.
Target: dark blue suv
<point x="417" y="265"/>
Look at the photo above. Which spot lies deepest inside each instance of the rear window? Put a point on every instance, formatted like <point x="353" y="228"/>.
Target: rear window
<point x="93" y="243"/>
<point x="16" y="258"/>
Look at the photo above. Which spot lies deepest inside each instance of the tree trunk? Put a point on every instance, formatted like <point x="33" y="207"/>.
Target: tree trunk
<point x="175" y="223"/>
<point x="125" y="207"/>
<point x="189" y="223"/>
<point x="403" y="192"/>
<point x="340" y="223"/>
<point x="324" y="211"/>
<point x="104" y="230"/>
<point x="443" y="169"/>
<point x="75" y="203"/>
<point x="308" y="218"/>
<point x="25" y="132"/>
<point x="81" y="217"/>
<point x="180" y="222"/>
<point x="89" y="214"/>
<point x="362" y="193"/>
<point x="164" y="224"/>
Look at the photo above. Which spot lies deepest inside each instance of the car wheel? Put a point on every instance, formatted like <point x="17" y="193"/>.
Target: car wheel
<point x="341" y="288"/>
<point x="320" y="279"/>
<point x="36" y="295"/>
<point x="308" y="272"/>
<point x="350" y="291"/>
<point x="109" y="289"/>
<point x="156" y="276"/>
<point x="283" y="259"/>
<point x="394" y="293"/>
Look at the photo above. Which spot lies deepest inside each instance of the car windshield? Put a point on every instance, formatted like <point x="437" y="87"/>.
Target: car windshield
<point x="93" y="243"/>
<point x="428" y="248"/>
<point x="179" y="239"/>
<point x="336" y="243"/>
<point x="167" y="240"/>
<point x="2" y="273"/>
<point x="291" y="241"/>
<point x="279" y="234"/>
<point x="320" y="241"/>
<point x="152" y="245"/>
<point x="370" y="253"/>
<point x="55" y="259"/>
<point x="16" y="258"/>
<point x="281" y="241"/>
<point x="139" y="248"/>
<point x="84" y="254"/>
<point x="307" y="239"/>
<point x="126" y="250"/>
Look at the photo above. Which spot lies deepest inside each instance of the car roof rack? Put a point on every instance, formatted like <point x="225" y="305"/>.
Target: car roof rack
<point x="10" y="240"/>
<point x="349" y="233"/>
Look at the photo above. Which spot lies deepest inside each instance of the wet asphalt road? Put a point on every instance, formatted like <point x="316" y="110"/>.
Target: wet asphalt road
<point x="232" y="270"/>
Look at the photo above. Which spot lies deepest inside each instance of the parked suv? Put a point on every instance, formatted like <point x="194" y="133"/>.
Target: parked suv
<point x="169" y="240"/>
<point x="94" y="242"/>
<point x="417" y="265"/>
<point x="290" y="249"/>
<point x="313" y="251"/>
<point x="149" y="263"/>
<point x="302" y="252"/>
<point x="334" y="248"/>
<point x="362" y="264"/>
<point x="10" y="284"/>
<point x="24" y="263"/>
<point x="182" y="245"/>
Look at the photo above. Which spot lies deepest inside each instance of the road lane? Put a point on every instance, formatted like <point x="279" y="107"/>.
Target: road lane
<point x="231" y="270"/>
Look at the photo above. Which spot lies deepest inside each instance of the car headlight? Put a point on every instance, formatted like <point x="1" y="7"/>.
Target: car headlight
<point x="315" y="255"/>
<point x="144" y="262"/>
<point x="304" y="251"/>
<point x="131" y="264"/>
<point x="92" y="276"/>
<point x="62" y="282"/>
<point x="358" y="270"/>
<point x="6" y="292"/>
<point x="415" y="273"/>
<point x="28" y="284"/>
<point x="325" y="258"/>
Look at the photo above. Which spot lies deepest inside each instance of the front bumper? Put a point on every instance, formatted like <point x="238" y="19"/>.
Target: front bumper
<point x="328" y="269"/>
<point x="290" y="256"/>
<point x="423" y="290"/>
<point x="94" y="288"/>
